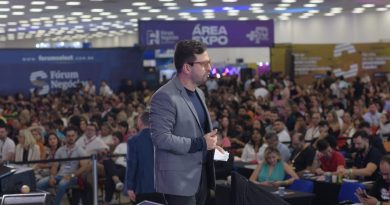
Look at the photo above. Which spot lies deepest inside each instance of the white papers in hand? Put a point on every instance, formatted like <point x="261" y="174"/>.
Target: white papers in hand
<point x="219" y="156"/>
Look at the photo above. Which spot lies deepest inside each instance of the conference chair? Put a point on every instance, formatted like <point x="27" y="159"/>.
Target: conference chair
<point x="347" y="192"/>
<point x="302" y="185"/>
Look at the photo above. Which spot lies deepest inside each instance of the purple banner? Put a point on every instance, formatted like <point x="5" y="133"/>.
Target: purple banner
<point x="165" y="34"/>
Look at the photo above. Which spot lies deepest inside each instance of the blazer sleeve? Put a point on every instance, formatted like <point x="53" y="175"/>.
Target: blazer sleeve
<point x="162" y="123"/>
<point x="132" y="164"/>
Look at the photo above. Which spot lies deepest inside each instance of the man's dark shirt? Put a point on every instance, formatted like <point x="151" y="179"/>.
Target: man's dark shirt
<point x="304" y="159"/>
<point x="373" y="156"/>
<point x="380" y="190"/>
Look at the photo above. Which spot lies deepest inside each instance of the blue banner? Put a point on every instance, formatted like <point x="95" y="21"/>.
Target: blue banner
<point x="26" y="70"/>
<point x="165" y="34"/>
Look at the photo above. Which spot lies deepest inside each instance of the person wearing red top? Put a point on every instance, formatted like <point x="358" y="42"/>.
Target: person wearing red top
<point x="329" y="159"/>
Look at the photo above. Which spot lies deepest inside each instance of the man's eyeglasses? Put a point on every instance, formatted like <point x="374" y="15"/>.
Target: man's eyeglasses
<point x="202" y="63"/>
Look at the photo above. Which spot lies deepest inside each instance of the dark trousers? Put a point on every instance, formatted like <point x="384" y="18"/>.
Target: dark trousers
<point x="112" y="169"/>
<point x="198" y="199"/>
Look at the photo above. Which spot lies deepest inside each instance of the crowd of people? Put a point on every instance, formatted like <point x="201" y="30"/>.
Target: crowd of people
<point x="283" y="127"/>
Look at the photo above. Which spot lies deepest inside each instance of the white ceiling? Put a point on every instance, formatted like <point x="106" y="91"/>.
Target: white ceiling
<point x="60" y="20"/>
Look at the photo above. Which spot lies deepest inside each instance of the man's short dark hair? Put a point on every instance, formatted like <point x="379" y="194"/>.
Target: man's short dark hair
<point x="322" y="145"/>
<point x="145" y="117"/>
<point x="362" y="133"/>
<point x="271" y="136"/>
<point x="3" y="125"/>
<point x="323" y="123"/>
<point x="185" y="52"/>
<point x="70" y="128"/>
<point x="386" y="158"/>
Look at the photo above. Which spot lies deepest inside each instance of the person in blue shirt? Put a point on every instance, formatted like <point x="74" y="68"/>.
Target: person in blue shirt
<point x="140" y="161"/>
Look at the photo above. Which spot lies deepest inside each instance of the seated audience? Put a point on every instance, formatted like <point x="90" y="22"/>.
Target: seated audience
<point x="273" y="141"/>
<point x="51" y="146"/>
<point x="280" y="129"/>
<point x="366" y="163"/>
<point x="327" y="159"/>
<point x="115" y="168"/>
<point x="27" y="149"/>
<point x="272" y="170"/>
<point x="64" y="174"/>
<point x="325" y="135"/>
<point x="254" y="149"/>
<point x="303" y="153"/>
<point x="7" y="152"/>
<point x="379" y="193"/>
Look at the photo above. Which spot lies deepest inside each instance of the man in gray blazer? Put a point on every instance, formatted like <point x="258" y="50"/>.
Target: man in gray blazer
<point x="181" y="130"/>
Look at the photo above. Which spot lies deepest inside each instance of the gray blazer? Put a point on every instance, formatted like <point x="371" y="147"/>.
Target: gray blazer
<point x="174" y="121"/>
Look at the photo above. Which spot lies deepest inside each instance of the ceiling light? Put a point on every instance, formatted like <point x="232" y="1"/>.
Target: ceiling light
<point x="279" y="9"/>
<point x="197" y="1"/>
<point x="3" y="16"/>
<point x="258" y="11"/>
<point x="138" y="4"/>
<point x="51" y="7"/>
<point x="146" y="18"/>
<point x="184" y="14"/>
<point x="200" y="4"/>
<point x="170" y="19"/>
<point x="162" y="16"/>
<point x="173" y="8"/>
<point x="329" y="14"/>
<point x="76" y="13"/>
<point x="12" y="23"/>
<point x="283" y="18"/>
<point x="36" y="10"/>
<point x="58" y="16"/>
<point x="285" y="14"/>
<point x="232" y="13"/>
<point x="144" y="7"/>
<point x="170" y="4"/>
<point x="257" y="5"/>
<point x="381" y="9"/>
<point x="310" y="5"/>
<point x="97" y="10"/>
<point x="112" y="16"/>
<point x="97" y="18"/>
<point x="86" y="16"/>
<point x="388" y="5"/>
<point x="209" y="17"/>
<point x="284" y="5"/>
<point x="105" y="13"/>
<point x="314" y="11"/>
<point x="18" y="13"/>
<point x="18" y="7"/>
<point x="227" y="8"/>
<point x="126" y="10"/>
<point x="316" y="1"/>
<point x="73" y="3"/>
<point x="192" y="19"/>
<point x="4" y="2"/>
<point x="165" y="0"/>
<point x="132" y="13"/>
<point x="154" y="10"/>
<point x="4" y="9"/>
<point x="262" y="17"/>
<point x="243" y="18"/>
<point x="368" y="5"/>
<point x="38" y="3"/>
<point x="208" y="11"/>
<point x="288" y="1"/>
<point x="229" y="1"/>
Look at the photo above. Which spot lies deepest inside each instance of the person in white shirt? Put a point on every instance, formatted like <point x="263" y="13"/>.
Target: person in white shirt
<point x="7" y="146"/>
<point x="115" y="168"/>
<point x="105" y="90"/>
<point x="254" y="149"/>
<point x="90" y="142"/>
<point x="314" y="131"/>
<point x="105" y="134"/>
<point x="90" y="88"/>
<point x="280" y="129"/>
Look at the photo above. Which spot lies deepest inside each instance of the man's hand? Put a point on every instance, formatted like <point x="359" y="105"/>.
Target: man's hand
<point x="211" y="139"/>
<point x="131" y="195"/>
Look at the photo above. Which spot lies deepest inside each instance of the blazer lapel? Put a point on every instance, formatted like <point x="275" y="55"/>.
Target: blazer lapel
<point x="184" y="94"/>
